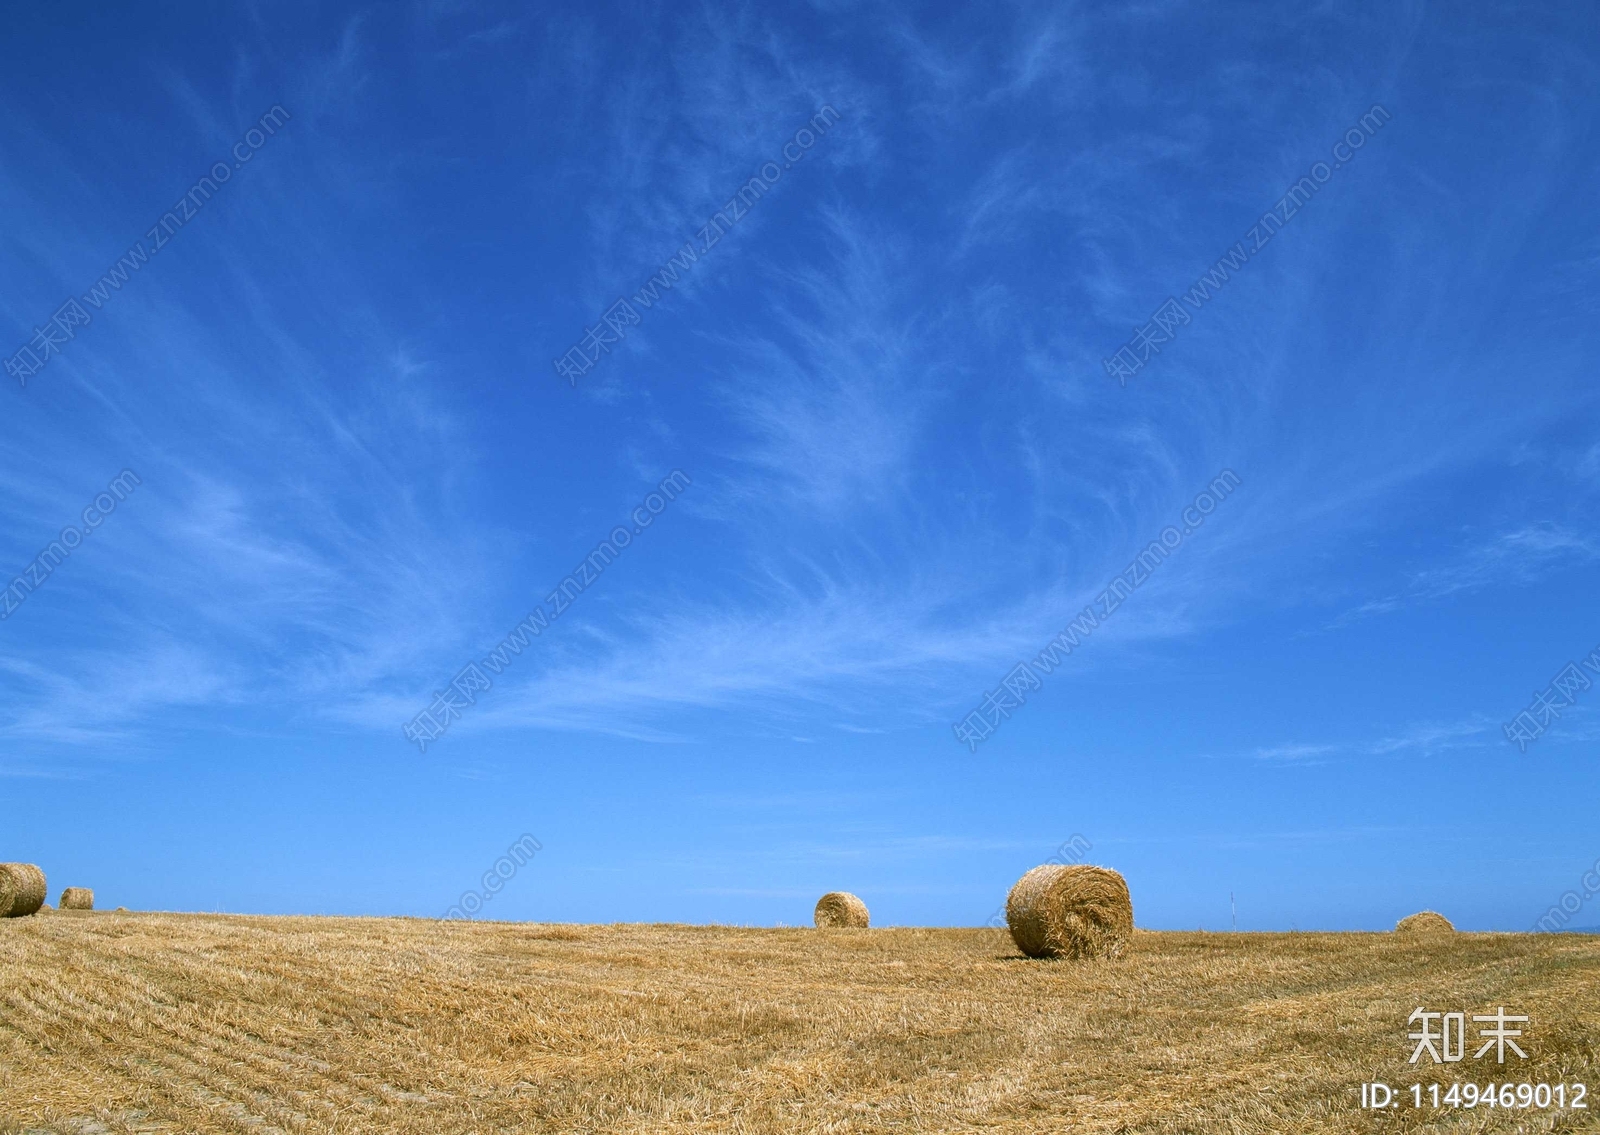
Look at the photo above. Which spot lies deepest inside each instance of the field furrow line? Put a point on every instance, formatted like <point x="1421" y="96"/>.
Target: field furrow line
<point x="229" y="1042"/>
<point x="178" y="1063"/>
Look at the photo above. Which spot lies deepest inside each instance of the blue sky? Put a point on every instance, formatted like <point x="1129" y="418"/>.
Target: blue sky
<point x="358" y="468"/>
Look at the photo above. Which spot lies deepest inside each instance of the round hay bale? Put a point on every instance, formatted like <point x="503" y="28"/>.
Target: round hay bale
<point x="1424" y="922"/>
<point x="840" y="908"/>
<point x="1067" y="910"/>
<point x="77" y="898"/>
<point x="22" y="890"/>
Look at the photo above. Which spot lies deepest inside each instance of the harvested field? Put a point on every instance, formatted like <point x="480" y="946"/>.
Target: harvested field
<point x="149" y="1022"/>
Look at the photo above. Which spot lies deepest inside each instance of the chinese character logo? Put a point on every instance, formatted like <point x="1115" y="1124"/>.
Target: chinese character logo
<point x="1454" y="1026"/>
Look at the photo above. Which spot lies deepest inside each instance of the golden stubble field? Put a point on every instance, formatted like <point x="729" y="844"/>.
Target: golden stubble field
<point x="167" y="1022"/>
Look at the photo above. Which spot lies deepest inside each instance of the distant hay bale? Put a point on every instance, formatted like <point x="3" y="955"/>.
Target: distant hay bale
<point x="1067" y="910"/>
<point x="1424" y="922"/>
<point x="840" y="909"/>
<point x="22" y="890"/>
<point x="77" y="898"/>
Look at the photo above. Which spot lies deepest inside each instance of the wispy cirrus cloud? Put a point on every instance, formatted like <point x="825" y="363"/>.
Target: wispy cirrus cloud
<point x="834" y="396"/>
<point x="1521" y="555"/>
<point x="1425" y="739"/>
<point x="913" y="466"/>
<point x="1294" y="752"/>
<point x="1516" y="557"/>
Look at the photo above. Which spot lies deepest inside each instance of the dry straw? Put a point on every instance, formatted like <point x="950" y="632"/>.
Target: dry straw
<point x="22" y="890"/>
<point x="840" y="908"/>
<point x="77" y="898"/>
<point x="1066" y="910"/>
<point x="1424" y="922"/>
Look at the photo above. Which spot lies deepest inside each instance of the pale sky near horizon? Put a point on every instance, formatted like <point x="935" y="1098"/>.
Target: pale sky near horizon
<point x="906" y="466"/>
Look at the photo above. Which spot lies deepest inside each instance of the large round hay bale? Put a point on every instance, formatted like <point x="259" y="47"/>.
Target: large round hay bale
<point x="840" y="908"/>
<point x="22" y="890"/>
<point x="1424" y="922"/>
<point x="77" y="898"/>
<point x="1068" y="910"/>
